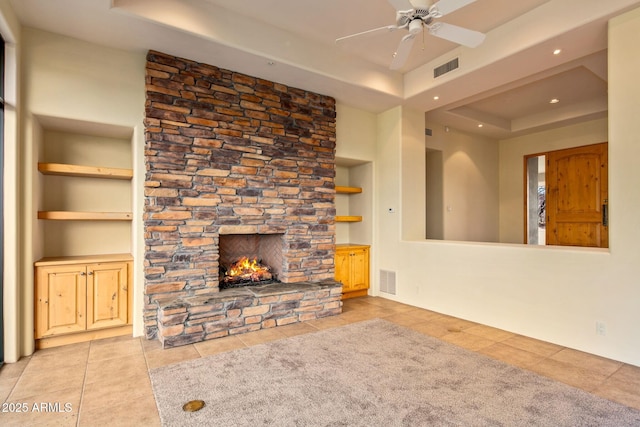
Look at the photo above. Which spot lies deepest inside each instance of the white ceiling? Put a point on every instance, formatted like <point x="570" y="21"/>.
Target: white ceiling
<point x="325" y="21"/>
<point x="506" y="83"/>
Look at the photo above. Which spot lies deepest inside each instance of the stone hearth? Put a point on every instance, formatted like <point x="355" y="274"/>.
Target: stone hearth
<point x="239" y="310"/>
<point x="227" y="153"/>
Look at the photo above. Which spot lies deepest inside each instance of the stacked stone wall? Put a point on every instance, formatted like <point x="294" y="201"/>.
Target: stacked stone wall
<point x="225" y="150"/>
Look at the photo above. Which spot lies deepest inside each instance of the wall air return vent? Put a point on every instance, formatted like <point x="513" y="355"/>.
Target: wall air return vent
<point x="445" y="68"/>
<point x="388" y="282"/>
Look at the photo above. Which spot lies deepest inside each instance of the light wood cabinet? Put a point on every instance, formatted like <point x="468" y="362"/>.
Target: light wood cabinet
<point x="352" y="269"/>
<point x="85" y="293"/>
<point x="61" y="299"/>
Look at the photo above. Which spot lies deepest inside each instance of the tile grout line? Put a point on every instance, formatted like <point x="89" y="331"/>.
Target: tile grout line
<point x="84" y="383"/>
<point x="607" y="378"/>
<point x="13" y="388"/>
<point x="146" y="362"/>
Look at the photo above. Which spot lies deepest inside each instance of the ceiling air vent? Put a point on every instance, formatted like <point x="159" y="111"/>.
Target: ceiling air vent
<point x="445" y="68"/>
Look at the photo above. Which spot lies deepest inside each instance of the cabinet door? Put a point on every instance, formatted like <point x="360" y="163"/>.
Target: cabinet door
<point x="60" y="300"/>
<point x="360" y="269"/>
<point x="107" y="295"/>
<point x="343" y="269"/>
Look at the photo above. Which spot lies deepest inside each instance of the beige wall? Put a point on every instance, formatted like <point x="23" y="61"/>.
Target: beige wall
<point x="550" y="293"/>
<point x="470" y="184"/>
<point x="355" y="134"/>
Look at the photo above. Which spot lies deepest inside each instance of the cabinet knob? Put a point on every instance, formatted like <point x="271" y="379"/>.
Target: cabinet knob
<point x="83" y="274"/>
<point x="91" y="273"/>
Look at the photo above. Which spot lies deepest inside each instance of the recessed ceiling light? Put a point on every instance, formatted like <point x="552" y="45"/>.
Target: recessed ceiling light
<point x="480" y="125"/>
<point x="271" y="63"/>
<point x="554" y="101"/>
<point x="557" y="51"/>
<point x="436" y="97"/>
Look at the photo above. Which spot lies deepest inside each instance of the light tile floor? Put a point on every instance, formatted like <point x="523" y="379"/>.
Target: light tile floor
<point x="106" y="382"/>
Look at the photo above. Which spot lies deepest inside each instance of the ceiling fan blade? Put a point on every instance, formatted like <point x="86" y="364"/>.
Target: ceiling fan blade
<point x="387" y="29"/>
<point x="444" y="7"/>
<point x="403" y="51"/>
<point x="401" y="4"/>
<point x="463" y="36"/>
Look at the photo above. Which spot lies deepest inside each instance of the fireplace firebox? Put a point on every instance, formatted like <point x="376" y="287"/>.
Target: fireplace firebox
<point x="249" y="259"/>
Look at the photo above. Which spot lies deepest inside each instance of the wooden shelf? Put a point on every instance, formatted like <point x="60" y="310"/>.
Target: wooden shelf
<point x="85" y="216"/>
<point x="84" y="171"/>
<point x="343" y="189"/>
<point x="340" y="189"/>
<point x="351" y="246"/>
<point x="348" y="218"/>
<point x="78" y="259"/>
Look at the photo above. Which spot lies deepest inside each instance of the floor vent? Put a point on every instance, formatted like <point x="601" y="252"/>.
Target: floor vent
<point x="388" y="282"/>
<point x="445" y="68"/>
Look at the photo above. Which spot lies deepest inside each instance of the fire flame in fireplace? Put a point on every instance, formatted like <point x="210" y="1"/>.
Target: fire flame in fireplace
<point x="248" y="270"/>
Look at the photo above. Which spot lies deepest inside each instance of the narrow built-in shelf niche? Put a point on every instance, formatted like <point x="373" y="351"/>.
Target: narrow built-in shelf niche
<point x="84" y="188"/>
<point x="59" y="169"/>
<point x="353" y="201"/>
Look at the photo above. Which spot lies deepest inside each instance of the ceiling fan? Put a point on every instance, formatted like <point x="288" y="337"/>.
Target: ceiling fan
<point x="415" y="16"/>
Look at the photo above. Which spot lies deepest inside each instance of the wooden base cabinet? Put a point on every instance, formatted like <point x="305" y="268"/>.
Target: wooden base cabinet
<point x="352" y="269"/>
<point x="78" y="294"/>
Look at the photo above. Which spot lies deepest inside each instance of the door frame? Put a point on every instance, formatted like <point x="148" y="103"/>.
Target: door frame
<point x="525" y="192"/>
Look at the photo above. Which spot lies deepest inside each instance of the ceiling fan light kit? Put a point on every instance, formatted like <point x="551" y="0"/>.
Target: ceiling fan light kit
<point x="415" y="26"/>
<point x="413" y="16"/>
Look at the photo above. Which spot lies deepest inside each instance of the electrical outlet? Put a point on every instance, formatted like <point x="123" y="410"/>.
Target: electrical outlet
<point x="601" y="328"/>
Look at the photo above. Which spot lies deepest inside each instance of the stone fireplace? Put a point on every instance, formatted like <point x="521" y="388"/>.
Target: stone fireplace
<point x="235" y="162"/>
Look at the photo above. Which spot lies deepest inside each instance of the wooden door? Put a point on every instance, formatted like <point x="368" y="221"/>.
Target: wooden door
<point x="343" y="269"/>
<point x="107" y="295"/>
<point x="60" y="300"/>
<point x="359" y="268"/>
<point x="577" y="197"/>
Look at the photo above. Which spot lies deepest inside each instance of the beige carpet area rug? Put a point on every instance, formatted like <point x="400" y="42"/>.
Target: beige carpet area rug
<point x="372" y="373"/>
